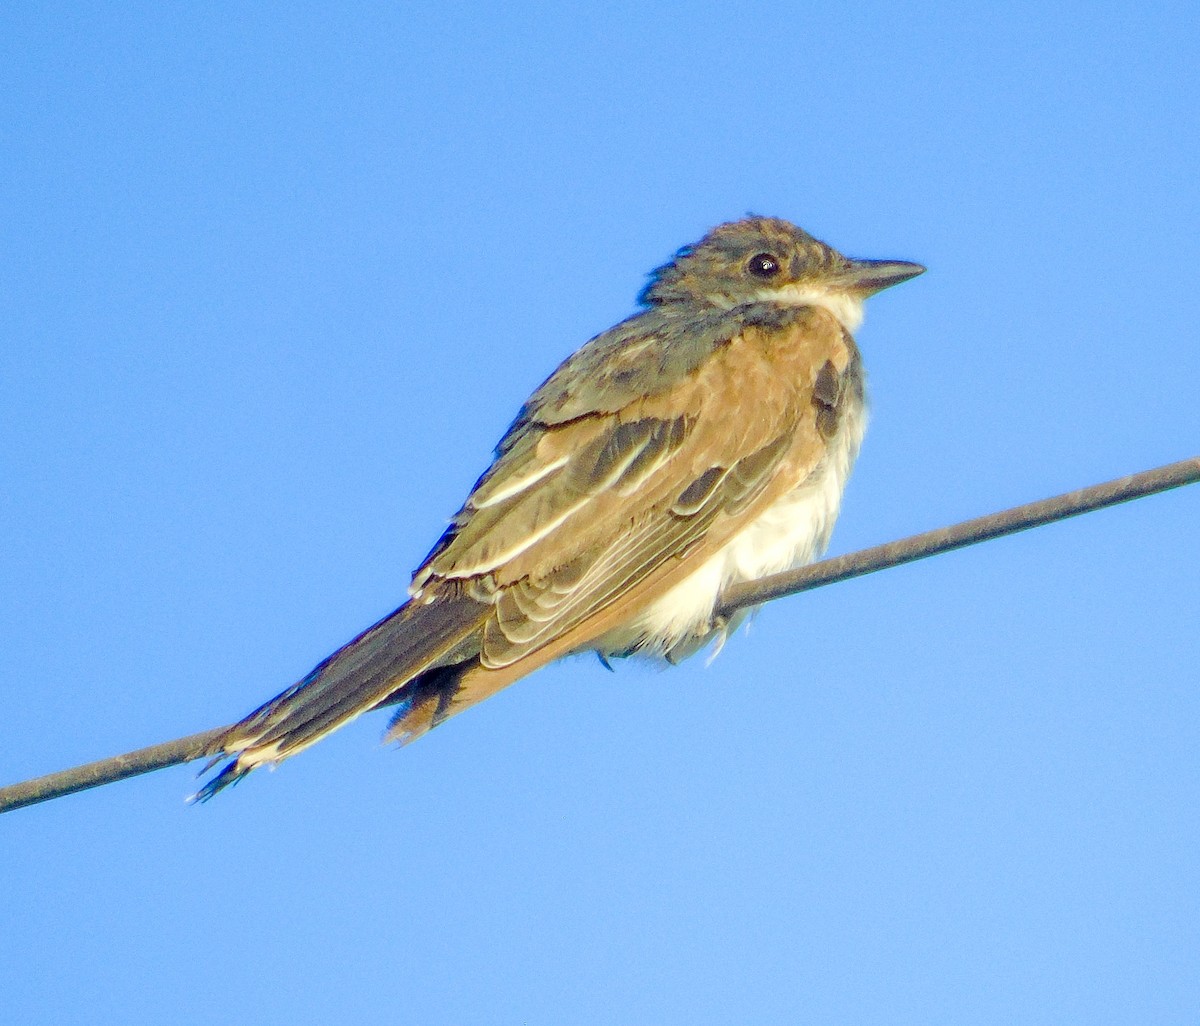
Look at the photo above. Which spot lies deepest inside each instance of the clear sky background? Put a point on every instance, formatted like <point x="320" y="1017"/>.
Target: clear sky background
<point x="274" y="278"/>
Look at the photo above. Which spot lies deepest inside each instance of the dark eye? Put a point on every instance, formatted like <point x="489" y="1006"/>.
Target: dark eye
<point x="763" y="265"/>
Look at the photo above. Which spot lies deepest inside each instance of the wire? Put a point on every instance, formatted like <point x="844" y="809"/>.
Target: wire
<point x="816" y="575"/>
<point x="946" y="539"/>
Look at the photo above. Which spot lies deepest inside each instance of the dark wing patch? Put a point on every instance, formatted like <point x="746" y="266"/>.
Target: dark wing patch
<point x="624" y="457"/>
<point x="827" y="398"/>
<point x="695" y="495"/>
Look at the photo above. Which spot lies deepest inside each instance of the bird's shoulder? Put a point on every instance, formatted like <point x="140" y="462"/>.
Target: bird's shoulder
<point x="648" y="355"/>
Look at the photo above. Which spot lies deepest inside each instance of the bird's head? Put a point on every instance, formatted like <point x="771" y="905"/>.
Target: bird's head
<point x="769" y="260"/>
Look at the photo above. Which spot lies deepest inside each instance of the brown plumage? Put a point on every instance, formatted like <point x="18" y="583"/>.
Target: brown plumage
<point x="704" y="440"/>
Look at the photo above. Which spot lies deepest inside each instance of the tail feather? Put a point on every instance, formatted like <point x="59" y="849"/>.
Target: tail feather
<point x="358" y="677"/>
<point x="446" y="690"/>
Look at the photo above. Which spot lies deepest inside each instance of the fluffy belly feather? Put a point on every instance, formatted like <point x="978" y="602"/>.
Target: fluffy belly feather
<point x="792" y="532"/>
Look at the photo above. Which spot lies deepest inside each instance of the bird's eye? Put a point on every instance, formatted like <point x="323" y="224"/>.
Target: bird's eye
<point x="763" y="265"/>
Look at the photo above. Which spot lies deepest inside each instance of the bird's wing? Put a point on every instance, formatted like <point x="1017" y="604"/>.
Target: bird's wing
<point x="580" y="520"/>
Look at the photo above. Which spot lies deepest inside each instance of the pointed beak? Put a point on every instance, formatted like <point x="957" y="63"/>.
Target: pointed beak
<point x="866" y="277"/>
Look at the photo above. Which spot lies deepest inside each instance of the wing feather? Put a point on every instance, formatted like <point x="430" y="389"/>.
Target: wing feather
<point x="658" y="482"/>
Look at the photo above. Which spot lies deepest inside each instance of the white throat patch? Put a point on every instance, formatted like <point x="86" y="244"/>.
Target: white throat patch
<point x="846" y="308"/>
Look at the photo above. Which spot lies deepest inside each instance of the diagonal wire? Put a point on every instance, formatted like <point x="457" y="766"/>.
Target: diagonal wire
<point x="108" y="771"/>
<point x="946" y="539"/>
<point x="816" y="575"/>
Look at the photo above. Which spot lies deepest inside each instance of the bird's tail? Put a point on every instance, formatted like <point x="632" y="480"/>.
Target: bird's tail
<point x="356" y="678"/>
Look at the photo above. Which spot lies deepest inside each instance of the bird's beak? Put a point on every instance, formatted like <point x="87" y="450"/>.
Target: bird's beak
<point x="866" y="277"/>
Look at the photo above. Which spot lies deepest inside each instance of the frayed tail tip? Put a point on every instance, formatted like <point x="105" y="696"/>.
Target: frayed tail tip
<point x="229" y="775"/>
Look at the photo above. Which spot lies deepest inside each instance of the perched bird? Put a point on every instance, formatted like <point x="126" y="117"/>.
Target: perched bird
<point x="704" y="441"/>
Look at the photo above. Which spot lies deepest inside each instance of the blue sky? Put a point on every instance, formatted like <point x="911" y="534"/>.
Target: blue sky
<point x="273" y="279"/>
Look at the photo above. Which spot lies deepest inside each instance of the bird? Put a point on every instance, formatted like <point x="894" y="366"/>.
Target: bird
<point x="704" y="441"/>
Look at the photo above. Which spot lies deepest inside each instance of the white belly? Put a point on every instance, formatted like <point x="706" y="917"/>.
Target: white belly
<point x="793" y="531"/>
